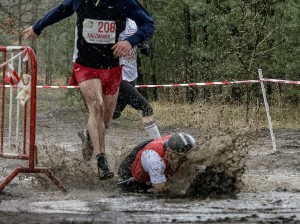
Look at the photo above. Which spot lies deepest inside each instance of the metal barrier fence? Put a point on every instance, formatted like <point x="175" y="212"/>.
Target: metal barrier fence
<point x="19" y="113"/>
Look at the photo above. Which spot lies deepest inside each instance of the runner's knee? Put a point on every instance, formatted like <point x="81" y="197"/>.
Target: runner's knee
<point x="147" y="111"/>
<point x="96" y="107"/>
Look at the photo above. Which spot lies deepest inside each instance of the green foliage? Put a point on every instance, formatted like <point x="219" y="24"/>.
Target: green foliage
<point x="195" y="41"/>
<point x="218" y="40"/>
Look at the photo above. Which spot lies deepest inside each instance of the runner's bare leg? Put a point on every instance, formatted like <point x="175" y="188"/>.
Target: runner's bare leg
<point x="92" y="92"/>
<point x="110" y="102"/>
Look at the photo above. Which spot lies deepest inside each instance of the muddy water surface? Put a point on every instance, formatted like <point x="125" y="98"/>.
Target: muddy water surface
<point x="246" y="208"/>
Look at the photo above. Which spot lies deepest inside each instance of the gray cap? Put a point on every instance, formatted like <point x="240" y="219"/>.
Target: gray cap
<point x="180" y="142"/>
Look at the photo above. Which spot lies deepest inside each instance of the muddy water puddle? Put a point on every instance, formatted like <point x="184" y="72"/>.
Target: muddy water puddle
<point x="279" y="207"/>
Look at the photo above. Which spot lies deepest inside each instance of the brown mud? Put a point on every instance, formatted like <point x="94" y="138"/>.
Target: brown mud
<point x="231" y="177"/>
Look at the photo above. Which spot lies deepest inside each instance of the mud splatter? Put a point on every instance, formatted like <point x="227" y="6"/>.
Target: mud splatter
<point x="215" y="168"/>
<point x="70" y="168"/>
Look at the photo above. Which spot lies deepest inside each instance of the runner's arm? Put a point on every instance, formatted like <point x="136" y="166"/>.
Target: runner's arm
<point x="64" y="10"/>
<point x="135" y="11"/>
<point x="154" y="165"/>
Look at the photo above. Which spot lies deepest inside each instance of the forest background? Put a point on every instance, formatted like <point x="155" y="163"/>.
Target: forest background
<point x="194" y="41"/>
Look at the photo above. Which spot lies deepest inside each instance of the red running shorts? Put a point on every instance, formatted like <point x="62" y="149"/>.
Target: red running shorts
<point x="110" y="77"/>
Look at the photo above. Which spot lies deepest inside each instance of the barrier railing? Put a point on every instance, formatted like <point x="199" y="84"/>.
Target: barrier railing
<point x="20" y="111"/>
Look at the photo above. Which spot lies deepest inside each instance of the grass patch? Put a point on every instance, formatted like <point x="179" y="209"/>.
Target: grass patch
<point x="216" y="115"/>
<point x="68" y="104"/>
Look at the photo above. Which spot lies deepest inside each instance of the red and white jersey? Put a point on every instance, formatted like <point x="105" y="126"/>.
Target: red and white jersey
<point x="151" y="164"/>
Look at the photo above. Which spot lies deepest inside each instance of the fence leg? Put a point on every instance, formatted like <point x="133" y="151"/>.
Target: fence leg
<point x="44" y="170"/>
<point x="8" y="179"/>
<point x="267" y="109"/>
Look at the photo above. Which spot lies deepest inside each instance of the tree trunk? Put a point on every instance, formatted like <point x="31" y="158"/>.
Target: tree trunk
<point x="191" y="92"/>
<point x="48" y="78"/>
<point x="140" y="79"/>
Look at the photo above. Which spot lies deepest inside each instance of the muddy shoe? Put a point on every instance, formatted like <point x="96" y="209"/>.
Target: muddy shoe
<point x="104" y="171"/>
<point x="87" y="147"/>
<point x="105" y="175"/>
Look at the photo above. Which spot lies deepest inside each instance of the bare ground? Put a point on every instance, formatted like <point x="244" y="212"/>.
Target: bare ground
<point x="269" y="194"/>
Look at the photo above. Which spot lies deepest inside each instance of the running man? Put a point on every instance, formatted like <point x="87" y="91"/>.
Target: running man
<point x="127" y="91"/>
<point x="128" y="94"/>
<point x="97" y="69"/>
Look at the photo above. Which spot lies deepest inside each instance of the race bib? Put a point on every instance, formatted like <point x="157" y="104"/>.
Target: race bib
<point x="99" y="31"/>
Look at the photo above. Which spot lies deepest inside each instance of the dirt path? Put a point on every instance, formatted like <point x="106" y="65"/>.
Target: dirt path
<point x="271" y="191"/>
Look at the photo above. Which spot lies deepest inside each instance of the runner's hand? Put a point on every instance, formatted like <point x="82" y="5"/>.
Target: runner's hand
<point x="29" y="33"/>
<point x="122" y="48"/>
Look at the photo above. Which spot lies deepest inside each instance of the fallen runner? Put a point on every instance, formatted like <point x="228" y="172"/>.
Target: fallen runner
<point x="152" y="163"/>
